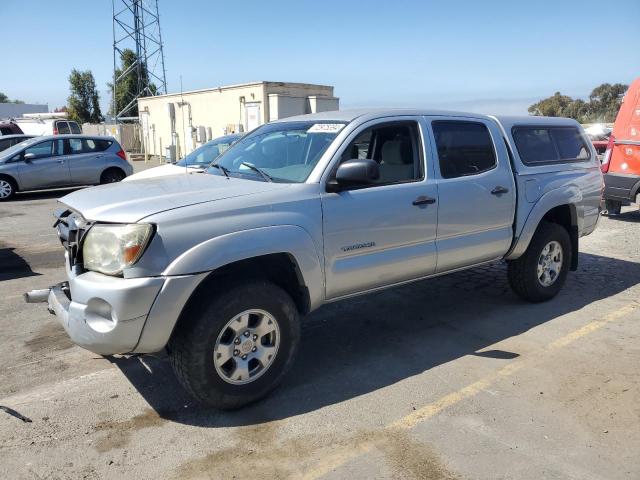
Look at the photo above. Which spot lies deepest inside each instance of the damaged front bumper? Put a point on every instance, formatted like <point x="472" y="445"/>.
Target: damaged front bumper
<point x="107" y="314"/>
<point x="102" y="314"/>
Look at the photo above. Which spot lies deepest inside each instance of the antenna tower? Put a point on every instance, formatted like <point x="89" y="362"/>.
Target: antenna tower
<point x="136" y="26"/>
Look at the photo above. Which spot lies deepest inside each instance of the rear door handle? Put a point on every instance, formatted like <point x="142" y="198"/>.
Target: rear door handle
<point x="499" y="190"/>
<point x="424" y="200"/>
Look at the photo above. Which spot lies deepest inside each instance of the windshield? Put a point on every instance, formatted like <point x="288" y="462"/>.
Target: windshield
<point x="286" y="152"/>
<point x="11" y="151"/>
<point x="207" y="153"/>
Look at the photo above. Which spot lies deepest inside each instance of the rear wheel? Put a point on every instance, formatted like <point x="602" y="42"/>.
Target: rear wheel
<point x="7" y="188"/>
<point x="112" y="175"/>
<point x="540" y="273"/>
<point x="237" y="346"/>
<point x="613" y="207"/>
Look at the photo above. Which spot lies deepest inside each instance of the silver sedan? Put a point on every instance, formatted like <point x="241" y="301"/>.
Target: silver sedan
<point x="61" y="161"/>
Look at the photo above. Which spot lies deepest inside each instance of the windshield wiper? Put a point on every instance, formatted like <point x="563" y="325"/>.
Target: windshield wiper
<point x="224" y="170"/>
<point x="264" y="174"/>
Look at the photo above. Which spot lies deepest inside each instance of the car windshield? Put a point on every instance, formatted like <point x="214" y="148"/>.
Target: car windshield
<point x="11" y="151"/>
<point x="284" y="151"/>
<point x="207" y="153"/>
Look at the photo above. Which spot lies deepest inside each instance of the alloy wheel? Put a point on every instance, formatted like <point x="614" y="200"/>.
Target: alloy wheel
<point x="550" y="263"/>
<point x="246" y="347"/>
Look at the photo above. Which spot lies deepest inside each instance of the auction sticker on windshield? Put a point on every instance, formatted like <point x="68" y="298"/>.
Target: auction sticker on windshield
<point x="326" y="128"/>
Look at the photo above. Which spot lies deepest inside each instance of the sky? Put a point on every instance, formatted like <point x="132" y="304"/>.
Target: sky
<point x="484" y="56"/>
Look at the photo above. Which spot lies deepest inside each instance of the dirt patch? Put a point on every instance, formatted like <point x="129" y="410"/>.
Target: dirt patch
<point x="407" y="458"/>
<point x="9" y="214"/>
<point x="118" y="434"/>
<point x="410" y="458"/>
<point x="49" y="337"/>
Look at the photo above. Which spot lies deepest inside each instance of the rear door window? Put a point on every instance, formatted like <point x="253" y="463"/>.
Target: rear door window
<point x="464" y="148"/>
<point x="95" y="145"/>
<point x="546" y="145"/>
<point x="63" y="128"/>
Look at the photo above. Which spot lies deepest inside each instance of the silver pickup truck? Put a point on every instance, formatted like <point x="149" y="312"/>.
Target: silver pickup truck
<point x="217" y="268"/>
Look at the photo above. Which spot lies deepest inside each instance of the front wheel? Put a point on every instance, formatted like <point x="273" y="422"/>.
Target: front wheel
<point x="236" y="347"/>
<point x="7" y="189"/>
<point x="540" y="273"/>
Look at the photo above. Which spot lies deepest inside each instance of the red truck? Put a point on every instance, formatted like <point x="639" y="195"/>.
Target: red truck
<point x="621" y="162"/>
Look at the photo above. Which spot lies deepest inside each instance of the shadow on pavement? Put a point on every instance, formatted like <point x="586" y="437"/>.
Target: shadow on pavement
<point x="631" y="217"/>
<point x="13" y="265"/>
<point x="358" y="346"/>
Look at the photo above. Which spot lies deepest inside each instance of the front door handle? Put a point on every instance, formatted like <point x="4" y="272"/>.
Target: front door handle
<point x="60" y="161"/>
<point x="499" y="190"/>
<point x="424" y="200"/>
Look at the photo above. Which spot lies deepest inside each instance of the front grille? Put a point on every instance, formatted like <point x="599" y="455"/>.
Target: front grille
<point x="71" y="229"/>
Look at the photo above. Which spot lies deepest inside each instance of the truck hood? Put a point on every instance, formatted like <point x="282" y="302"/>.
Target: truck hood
<point x="131" y="201"/>
<point x="162" y="170"/>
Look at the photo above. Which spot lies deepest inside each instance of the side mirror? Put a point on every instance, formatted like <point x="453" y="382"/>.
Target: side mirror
<point x="28" y="157"/>
<point x="355" y="173"/>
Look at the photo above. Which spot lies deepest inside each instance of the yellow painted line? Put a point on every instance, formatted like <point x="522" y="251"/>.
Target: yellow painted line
<point x="337" y="459"/>
<point x="593" y="326"/>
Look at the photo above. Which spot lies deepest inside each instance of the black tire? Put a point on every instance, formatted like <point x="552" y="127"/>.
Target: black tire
<point x="523" y="272"/>
<point x="191" y="347"/>
<point x="111" y="175"/>
<point x="613" y="207"/>
<point x="8" y="188"/>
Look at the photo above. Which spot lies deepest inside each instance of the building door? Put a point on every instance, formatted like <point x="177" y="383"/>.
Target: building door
<point x="252" y="116"/>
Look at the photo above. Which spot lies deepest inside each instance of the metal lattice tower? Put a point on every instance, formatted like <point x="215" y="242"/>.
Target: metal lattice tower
<point x="136" y="26"/>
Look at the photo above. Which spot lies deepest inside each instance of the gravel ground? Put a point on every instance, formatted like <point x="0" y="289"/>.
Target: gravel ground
<point x="448" y="378"/>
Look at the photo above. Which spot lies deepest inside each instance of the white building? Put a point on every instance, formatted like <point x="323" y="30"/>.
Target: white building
<point x="189" y="119"/>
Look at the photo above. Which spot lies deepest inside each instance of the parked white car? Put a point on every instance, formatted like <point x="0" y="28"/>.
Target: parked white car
<point x="196" y="161"/>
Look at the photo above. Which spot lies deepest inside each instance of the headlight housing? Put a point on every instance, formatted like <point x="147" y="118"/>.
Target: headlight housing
<point x="110" y="248"/>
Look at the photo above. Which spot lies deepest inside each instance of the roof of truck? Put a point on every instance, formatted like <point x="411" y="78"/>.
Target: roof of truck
<point x="351" y="114"/>
<point x="508" y="121"/>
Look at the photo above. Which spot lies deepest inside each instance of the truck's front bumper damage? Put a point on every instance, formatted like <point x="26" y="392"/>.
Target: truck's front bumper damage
<point x="102" y="314"/>
<point x="109" y="315"/>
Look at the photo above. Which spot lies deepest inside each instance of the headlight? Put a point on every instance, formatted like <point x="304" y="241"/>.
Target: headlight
<point x="111" y="248"/>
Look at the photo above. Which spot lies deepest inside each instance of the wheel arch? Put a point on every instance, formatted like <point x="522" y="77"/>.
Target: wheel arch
<point x="560" y="206"/>
<point x="280" y="269"/>
<point x="110" y="168"/>
<point x="265" y="247"/>
<point x="12" y="179"/>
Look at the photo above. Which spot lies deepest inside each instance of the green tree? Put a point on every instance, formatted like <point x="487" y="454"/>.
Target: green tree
<point x="84" y="101"/>
<point x="602" y="106"/>
<point x="605" y="101"/>
<point x="5" y="99"/>
<point x="135" y="79"/>
<point x="554" y="106"/>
